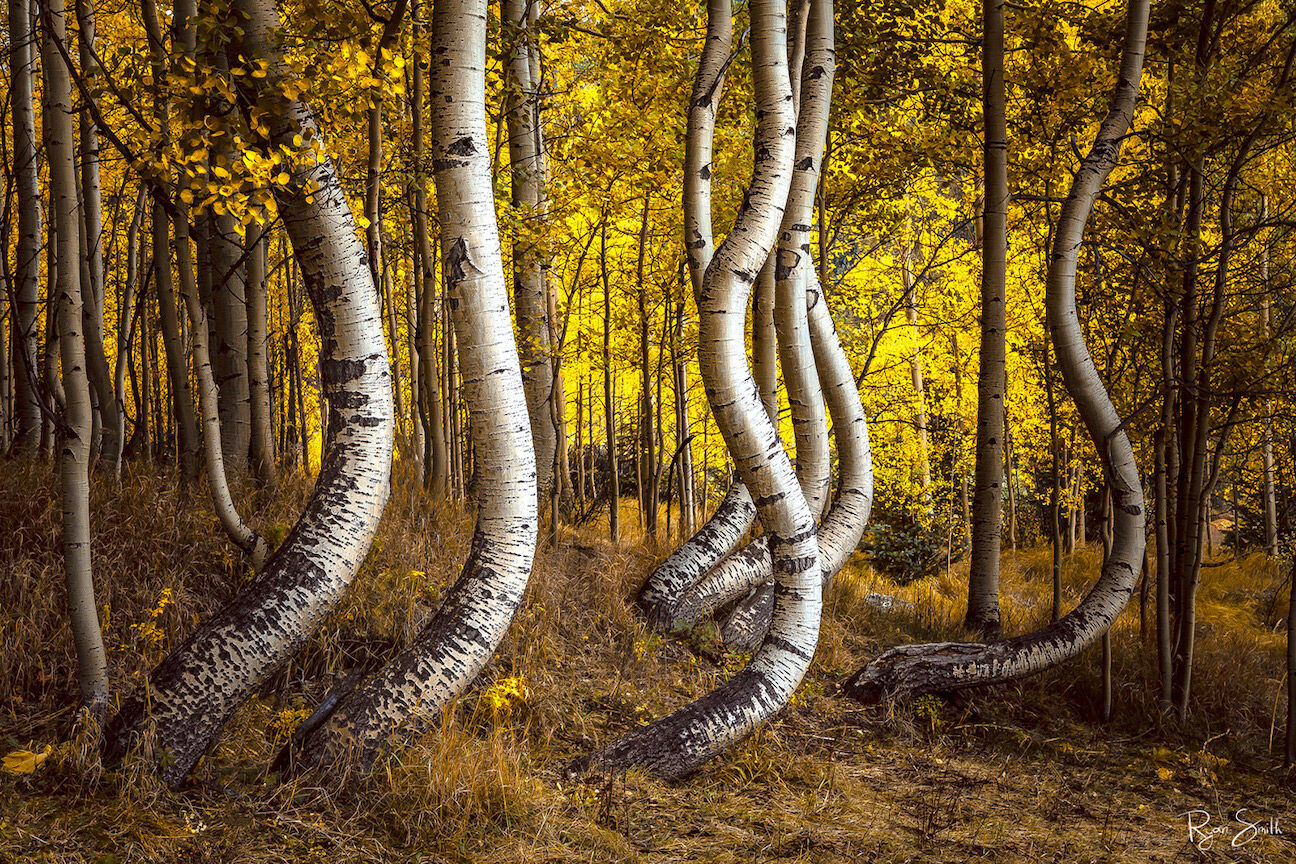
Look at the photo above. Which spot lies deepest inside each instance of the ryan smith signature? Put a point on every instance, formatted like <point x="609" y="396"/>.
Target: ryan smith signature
<point x="1243" y="829"/>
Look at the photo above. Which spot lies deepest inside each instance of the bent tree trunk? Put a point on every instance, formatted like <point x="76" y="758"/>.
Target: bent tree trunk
<point x="242" y="535"/>
<point x="913" y="669"/>
<point x="191" y="694"/>
<point x="739" y="574"/>
<point x="456" y="644"/>
<point x="74" y="431"/>
<point x="843" y="525"/>
<point x="676" y="745"/>
<point x="729" y="524"/>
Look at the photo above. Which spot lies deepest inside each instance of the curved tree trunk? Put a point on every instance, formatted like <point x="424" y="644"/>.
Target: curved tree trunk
<point x="915" y="669"/>
<point x="25" y="287"/>
<point x="243" y="536"/>
<point x="987" y="496"/>
<point x="843" y="525"/>
<point x="456" y="644"/>
<point x="74" y="431"/>
<point x="192" y="693"/>
<point x="734" y="517"/>
<point x="676" y="745"/>
<point x="740" y="573"/>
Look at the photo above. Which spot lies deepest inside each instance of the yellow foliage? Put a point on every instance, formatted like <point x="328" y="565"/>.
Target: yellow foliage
<point x="26" y="761"/>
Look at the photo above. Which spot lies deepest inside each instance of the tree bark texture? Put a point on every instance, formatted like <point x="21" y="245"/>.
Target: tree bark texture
<point x="74" y="428"/>
<point x="676" y="745"/>
<point x="193" y="691"/>
<point x="987" y="495"/>
<point x="456" y="644"/>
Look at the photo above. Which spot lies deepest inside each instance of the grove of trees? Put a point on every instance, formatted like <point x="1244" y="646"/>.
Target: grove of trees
<point x="779" y="289"/>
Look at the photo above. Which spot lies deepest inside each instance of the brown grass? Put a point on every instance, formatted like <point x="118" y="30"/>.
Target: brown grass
<point x="1029" y="776"/>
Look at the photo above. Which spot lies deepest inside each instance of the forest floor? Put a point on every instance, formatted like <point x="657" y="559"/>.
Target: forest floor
<point x="1026" y="773"/>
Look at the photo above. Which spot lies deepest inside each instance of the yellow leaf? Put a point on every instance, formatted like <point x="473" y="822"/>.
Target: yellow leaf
<point x="25" y="761"/>
<point x="1164" y="773"/>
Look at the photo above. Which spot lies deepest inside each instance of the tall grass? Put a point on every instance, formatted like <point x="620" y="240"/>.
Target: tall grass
<point x="578" y="667"/>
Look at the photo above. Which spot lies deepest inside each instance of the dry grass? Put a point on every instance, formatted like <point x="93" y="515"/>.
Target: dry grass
<point x="1029" y="776"/>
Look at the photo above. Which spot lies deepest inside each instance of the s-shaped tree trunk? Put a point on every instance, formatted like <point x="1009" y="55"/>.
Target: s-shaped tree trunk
<point x="913" y="669"/>
<point x="843" y="525"/>
<point x="456" y="644"/>
<point x="678" y="744"/>
<point x="191" y="693"/>
<point x="745" y="571"/>
<point x="729" y="524"/>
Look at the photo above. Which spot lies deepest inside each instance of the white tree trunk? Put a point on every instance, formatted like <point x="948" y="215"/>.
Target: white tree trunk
<point x="739" y="574"/>
<point x="734" y="517"/>
<point x="528" y="275"/>
<point x="91" y="213"/>
<point x="843" y="525"/>
<point x="456" y="644"/>
<point x="914" y="669"/>
<point x="74" y="431"/>
<point x="25" y="287"/>
<point x="239" y="532"/>
<point x="678" y="744"/>
<point x="192" y="693"/>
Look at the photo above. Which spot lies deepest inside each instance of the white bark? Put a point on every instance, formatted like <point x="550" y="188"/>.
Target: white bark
<point x="528" y="276"/>
<point x="734" y="517"/>
<point x="91" y="214"/>
<point x="678" y="744"/>
<point x="193" y="692"/>
<point x="126" y="323"/>
<point x="242" y="535"/>
<point x="25" y="287"/>
<point x="948" y="666"/>
<point x="842" y="527"/>
<point x="74" y="434"/>
<point x="456" y="644"/>
<point x="740" y="573"/>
